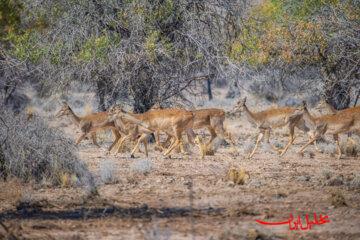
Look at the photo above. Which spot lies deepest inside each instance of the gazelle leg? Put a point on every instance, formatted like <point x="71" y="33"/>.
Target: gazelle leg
<point x="190" y="136"/>
<point x="145" y="146"/>
<point x="117" y="137"/>
<point x="82" y="136"/>
<point x="225" y="135"/>
<point x="350" y="139"/>
<point x="307" y="144"/>
<point x="141" y="138"/>
<point x="317" y="147"/>
<point x="291" y="140"/>
<point x="175" y="144"/>
<point x="259" y="138"/>
<point x="93" y="137"/>
<point x="116" y="144"/>
<point x="213" y="136"/>
<point x="182" y="149"/>
<point x="336" y="138"/>
<point x="115" y="134"/>
<point x="121" y="142"/>
<point x="267" y="138"/>
<point x="159" y="145"/>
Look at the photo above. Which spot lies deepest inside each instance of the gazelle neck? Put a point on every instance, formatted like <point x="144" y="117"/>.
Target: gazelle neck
<point x="76" y="119"/>
<point x="308" y="117"/>
<point x="249" y="115"/>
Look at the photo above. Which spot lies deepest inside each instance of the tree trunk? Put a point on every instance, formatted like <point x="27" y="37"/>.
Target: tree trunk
<point x="144" y="90"/>
<point x="101" y="92"/>
<point x="209" y="89"/>
<point x="337" y="92"/>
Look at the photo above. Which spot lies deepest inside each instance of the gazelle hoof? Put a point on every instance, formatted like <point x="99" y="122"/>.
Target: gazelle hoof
<point x="132" y="156"/>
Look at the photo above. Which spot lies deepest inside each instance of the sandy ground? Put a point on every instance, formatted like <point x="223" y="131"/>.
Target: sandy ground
<point x="188" y="198"/>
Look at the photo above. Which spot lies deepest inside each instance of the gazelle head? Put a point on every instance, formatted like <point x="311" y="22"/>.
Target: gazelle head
<point x="64" y="111"/>
<point x="302" y="107"/>
<point x="239" y="107"/>
<point x="324" y="105"/>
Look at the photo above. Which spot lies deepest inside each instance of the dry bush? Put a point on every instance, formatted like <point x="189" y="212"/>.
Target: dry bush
<point x="33" y="151"/>
<point x="326" y="148"/>
<point x="142" y="166"/>
<point x="355" y="182"/>
<point x="108" y="172"/>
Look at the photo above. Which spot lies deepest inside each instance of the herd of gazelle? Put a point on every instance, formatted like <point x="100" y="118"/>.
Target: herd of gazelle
<point x="174" y="122"/>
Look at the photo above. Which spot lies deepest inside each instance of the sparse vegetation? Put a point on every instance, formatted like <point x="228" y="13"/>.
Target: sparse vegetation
<point x="33" y="151"/>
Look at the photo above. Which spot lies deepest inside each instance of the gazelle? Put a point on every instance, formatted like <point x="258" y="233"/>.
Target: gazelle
<point x="171" y="121"/>
<point x="323" y="104"/>
<point x="352" y="111"/>
<point x="87" y="123"/>
<point x="128" y="125"/>
<point x="270" y="119"/>
<point x="213" y="120"/>
<point x="342" y="122"/>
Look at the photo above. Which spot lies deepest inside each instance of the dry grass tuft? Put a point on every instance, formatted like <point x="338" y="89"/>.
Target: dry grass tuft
<point x="30" y="113"/>
<point x="351" y="148"/>
<point x="237" y="176"/>
<point x="204" y="149"/>
<point x="253" y="234"/>
<point x="337" y="199"/>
